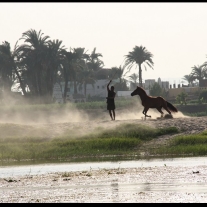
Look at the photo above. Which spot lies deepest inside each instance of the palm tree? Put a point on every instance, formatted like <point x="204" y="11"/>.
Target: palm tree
<point x="134" y="79"/>
<point x="118" y="73"/>
<point x="6" y="66"/>
<point x="80" y="63"/>
<point x="198" y="72"/>
<point x="139" y="55"/>
<point x="94" y="63"/>
<point x="86" y="77"/>
<point x="189" y="78"/>
<point x="204" y="66"/>
<point x="74" y="63"/>
<point x="42" y="59"/>
<point x="53" y="58"/>
<point x="68" y="73"/>
<point x="9" y="66"/>
<point x="32" y="56"/>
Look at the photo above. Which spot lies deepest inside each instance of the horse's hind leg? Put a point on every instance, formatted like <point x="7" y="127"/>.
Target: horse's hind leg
<point x="165" y="107"/>
<point x="160" y="110"/>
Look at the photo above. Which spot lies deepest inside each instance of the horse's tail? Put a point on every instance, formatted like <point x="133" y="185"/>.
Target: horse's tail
<point x="171" y="107"/>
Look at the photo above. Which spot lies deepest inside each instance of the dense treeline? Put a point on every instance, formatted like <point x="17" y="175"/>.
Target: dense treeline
<point x="39" y="62"/>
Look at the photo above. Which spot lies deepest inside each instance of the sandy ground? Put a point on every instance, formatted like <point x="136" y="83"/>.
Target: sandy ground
<point x="147" y="184"/>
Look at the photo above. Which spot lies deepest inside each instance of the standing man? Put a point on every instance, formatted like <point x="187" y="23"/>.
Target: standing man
<point x="110" y="101"/>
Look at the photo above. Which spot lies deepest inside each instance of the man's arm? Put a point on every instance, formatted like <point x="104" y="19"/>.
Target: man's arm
<point x="108" y="85"/>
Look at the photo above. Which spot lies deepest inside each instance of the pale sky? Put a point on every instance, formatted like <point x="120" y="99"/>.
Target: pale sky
<point x="175" y="33"/>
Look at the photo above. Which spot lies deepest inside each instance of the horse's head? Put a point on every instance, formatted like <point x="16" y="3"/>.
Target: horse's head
<point x="136" y="91"/>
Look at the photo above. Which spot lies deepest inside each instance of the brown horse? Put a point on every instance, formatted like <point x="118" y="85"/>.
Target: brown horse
<point x="153" y="102"/>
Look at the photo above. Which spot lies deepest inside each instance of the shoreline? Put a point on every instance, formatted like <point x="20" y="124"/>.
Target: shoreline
<point x="157" y="184"/>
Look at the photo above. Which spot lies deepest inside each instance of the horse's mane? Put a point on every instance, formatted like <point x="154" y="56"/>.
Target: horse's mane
<point x="142" y="89"/>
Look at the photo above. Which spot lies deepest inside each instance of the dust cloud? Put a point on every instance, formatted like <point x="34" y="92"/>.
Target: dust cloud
<point x="12" y="112"/>
<point x="65" y="119"/>
<point x="75" y="115"/>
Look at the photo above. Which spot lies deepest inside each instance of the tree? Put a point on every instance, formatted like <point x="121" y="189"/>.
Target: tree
<point x="139" y="55"/>
<point x="40" y="60"/>
<point x="80" y="64"/>
<point x="72" y="66"/>
<point x="189" y="78"/>
<point x="202" y="96"/>
<point x="93" y="61"/>
<point x="32" y="57"/>
<point x="53" y="58"/>
<point x="6" y="66"/>
<point x="204" y="66"/>
<point x="69" y="72"/>
<point x="181" y="98"/>
<point x="86" y="77"/>
<point x="198" y="72"/>
<point x="155" y="90"/>
<point x="134" y="79"/>
<point x="121" y="86"/>
<point x="90" y="66"/>
<point x="9" y="66"/>
<point x="118" y="73"/>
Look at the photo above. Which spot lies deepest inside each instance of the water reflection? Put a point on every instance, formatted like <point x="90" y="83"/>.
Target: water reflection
<point x="115" y="190"/>
<point x="146" y="186"/>
<point x="83" y="160"/>
<point x="36" y="169"/>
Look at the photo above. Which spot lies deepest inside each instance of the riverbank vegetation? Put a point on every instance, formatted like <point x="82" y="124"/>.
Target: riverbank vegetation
<point x="182" y="145"/>
<point x="18" y="142"/>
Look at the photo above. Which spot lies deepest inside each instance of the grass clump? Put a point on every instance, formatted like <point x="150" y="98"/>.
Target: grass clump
<point x="141" y="132"/>
<point x="188" y="145"/>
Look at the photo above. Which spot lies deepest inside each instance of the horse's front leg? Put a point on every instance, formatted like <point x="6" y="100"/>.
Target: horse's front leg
<point x="145" y="112"/>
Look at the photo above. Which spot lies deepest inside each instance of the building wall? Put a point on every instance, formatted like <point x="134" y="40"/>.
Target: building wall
<point x="100" y="89"/>
<point x="127" y="93"/>
<point x="173" y="92"/>
<point x="149" y="83"/>
<point x="164" y="84"/>
<point x="124" y="93"/>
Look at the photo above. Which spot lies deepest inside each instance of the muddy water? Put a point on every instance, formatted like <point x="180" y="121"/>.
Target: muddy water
<point x="39" y="169"/>
<point x="154" y="180"/>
